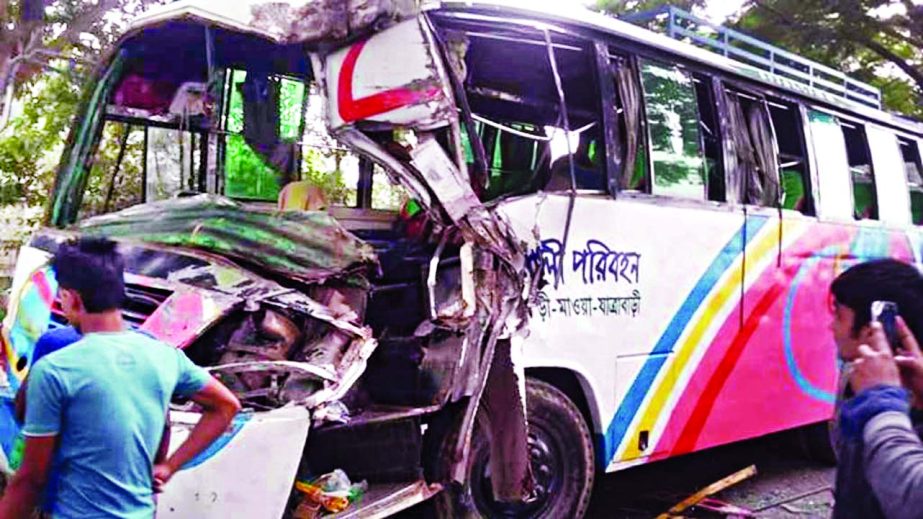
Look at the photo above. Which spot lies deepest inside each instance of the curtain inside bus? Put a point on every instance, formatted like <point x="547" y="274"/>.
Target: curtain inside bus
<point x="757" y="181"/>
<point x="632" y="175"/>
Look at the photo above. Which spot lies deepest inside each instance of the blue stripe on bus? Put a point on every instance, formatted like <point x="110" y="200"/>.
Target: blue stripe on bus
<point x="642" y="383"/>
<point x="806" y="386"/>
<point x="869" y="243"/>
<point x="221" y="442"/>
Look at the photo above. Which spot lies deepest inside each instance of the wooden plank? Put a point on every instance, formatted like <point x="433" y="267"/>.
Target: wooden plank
<point x="714" y="488"/>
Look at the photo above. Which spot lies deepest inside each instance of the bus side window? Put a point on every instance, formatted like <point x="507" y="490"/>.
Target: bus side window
<point x="116" y="178"/>
<point x="860" y="170"/>
<point x="673" y="129"/>
<point x="512" y="92"/>
<point x="711" y="138"/>
<point x="890" y="183"/>
<point x="264" y="119"/>
<point x="832" y="165"/>
<point x="913" y="168"/>
<point x="793" y="171"/>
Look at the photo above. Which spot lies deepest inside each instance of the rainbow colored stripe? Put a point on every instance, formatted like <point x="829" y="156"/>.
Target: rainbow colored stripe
<point x="740" y="317"/>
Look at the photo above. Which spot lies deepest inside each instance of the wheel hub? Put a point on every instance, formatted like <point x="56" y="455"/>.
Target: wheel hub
<point x="547" y="467"/>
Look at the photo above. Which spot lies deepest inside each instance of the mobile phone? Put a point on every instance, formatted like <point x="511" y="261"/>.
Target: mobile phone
<point x="885" y="312"/>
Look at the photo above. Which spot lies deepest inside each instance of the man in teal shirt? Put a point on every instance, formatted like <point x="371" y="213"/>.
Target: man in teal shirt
<point x="96" y="409"/>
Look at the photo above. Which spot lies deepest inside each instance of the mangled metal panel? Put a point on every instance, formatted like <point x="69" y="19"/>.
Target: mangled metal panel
<point x="288" y="21"/>
<point x="402" y="86"/>
<point x="391" y="78"/>
<point x="187" y="314"/>
<point x="311" y="247"/>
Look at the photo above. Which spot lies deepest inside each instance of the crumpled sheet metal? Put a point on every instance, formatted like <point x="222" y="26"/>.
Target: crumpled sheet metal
<point x="187" y="314"/>
<point x="335" y="382"/>
<point x="310" y="246"/>
<point x="287" y="21"/>
<point x="293" y="21"/>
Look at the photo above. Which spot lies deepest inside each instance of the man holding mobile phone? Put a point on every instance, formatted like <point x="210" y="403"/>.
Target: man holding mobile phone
<point x="878" y="434"/>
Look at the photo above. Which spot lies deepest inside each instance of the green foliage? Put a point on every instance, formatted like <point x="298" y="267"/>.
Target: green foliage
<point x="878" y="41"/>
<point x="29" y="147"/>
<point x="620" y="7"/>
<point x="332" y="183"/>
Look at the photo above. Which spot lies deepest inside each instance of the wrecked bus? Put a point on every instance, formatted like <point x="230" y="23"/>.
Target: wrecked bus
<point x="659" y="275"/>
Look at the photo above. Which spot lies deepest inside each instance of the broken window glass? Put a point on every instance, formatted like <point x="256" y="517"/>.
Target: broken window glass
<point x="860" y="169"/>
<point x="786" y="121"/>
<point x="512" y="92"/>
<point x="711" y="139"/>
<point x="673" y="127"/>
<point x="913" y="168"/>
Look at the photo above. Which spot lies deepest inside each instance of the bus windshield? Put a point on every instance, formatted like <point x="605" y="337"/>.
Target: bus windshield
<point x="182" y="109"/>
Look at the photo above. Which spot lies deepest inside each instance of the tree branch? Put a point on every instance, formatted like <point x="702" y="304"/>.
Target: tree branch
<point x="82" y="23"/>
<point x="853" y="36"/>
<point x="886" y="53"/>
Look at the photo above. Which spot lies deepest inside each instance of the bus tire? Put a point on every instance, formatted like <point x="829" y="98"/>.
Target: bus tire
<point x="817" y="442"/>
<point x="562" y="462"/>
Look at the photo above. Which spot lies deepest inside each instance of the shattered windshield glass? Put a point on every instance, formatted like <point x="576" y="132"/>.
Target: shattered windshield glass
<point x="182" y="109"/>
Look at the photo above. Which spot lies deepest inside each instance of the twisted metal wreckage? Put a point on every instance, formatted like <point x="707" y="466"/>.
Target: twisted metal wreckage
<point x="289" y="308"/>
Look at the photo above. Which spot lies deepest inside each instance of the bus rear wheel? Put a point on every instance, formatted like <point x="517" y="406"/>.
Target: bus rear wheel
<point x="561" y="452"/>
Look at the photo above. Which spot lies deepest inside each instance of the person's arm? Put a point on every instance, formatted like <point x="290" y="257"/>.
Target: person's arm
<point x="892" y="451"/>
<point x="219" y="406"/>
<point x="25" y="489"/>
<point x="46" y="402"/>
<point x="893" y="456"/>
<point x="19" y="404"/>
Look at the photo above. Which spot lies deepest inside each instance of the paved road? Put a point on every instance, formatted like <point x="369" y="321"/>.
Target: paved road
<point x="783" y="472"/>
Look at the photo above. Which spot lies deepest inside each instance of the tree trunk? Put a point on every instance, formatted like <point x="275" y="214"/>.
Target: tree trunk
<point x="6" y="84"/>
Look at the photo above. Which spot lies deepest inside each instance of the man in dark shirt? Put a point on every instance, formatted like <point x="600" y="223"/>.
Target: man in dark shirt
<point x="863" y="489"/>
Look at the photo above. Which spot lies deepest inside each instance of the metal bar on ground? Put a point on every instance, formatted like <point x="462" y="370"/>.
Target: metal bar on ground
<point x="714" y="488"/>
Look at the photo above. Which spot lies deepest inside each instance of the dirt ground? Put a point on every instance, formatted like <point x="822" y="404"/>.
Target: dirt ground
<point x="783" y="473"/>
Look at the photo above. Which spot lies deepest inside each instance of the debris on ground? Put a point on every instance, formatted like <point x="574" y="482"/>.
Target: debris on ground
<point x="724" y="508"/>
<point x="785" y="503"/>
<point x="331" y="492"/>
<point x="712" y="489"/>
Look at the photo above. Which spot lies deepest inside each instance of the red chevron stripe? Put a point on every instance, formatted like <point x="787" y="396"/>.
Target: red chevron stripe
<point x="356" y="109"/>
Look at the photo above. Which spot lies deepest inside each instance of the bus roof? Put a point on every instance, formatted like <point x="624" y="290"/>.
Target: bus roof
<point x="560" y="14"/>
<point x="232" y="15"/>
<point x="246" y="16"/>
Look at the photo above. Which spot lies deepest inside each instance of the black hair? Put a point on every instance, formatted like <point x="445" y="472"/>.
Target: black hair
<point x="94" y="269"/>
<point x="882" y="280"/>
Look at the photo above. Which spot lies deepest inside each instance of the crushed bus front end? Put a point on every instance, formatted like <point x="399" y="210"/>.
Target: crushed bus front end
<point x="356" y="339"/>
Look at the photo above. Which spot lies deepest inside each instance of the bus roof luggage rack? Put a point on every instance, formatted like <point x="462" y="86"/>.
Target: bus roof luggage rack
<point x="683" y="26"/>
